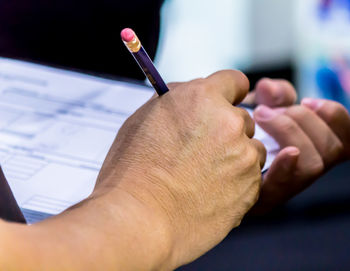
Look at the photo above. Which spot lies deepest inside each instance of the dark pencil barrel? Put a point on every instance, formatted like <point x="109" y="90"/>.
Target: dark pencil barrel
<point x="150" y="71"/>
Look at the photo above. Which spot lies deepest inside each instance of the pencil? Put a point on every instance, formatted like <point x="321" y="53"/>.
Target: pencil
<point x="135" y="47"/>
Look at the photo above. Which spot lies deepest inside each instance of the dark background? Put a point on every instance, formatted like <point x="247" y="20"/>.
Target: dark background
<point x="311" y="232"/>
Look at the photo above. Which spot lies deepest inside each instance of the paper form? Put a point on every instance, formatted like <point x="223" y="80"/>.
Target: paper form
<point x="56" y="128"/>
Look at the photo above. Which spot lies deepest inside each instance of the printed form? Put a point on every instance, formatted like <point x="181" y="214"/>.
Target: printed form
<point x="56" y="128"/>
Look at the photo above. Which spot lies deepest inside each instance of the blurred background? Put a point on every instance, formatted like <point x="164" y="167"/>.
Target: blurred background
<point x="307" y="42"/>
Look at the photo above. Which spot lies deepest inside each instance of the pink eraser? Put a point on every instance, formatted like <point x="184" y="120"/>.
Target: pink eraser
<point x="127" y="34"/>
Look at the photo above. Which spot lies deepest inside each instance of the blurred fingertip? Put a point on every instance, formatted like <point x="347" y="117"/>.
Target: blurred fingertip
<point x="280" y="110"/>
<point x="264" y="113"/>
<point x="270" y="92"/>
<point x="313" y="104"/>
<point x="264" y="81"/>
<point x="266" y="84"/>
<point x="289" y="158"/>
<point x="292" y="151"/>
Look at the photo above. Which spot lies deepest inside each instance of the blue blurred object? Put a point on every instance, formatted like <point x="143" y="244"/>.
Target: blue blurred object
<point x="327" y="7"/>
<point x="324" y="8"/>
<point x="330" y="86"/>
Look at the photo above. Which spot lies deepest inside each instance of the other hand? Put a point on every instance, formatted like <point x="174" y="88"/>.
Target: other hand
<point x="313" y="137"/>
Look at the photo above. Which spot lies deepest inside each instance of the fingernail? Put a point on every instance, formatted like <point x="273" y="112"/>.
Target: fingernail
<point x="262" y="112"/>
<point x="293" y="151"/>
<point x="313" y="104"/>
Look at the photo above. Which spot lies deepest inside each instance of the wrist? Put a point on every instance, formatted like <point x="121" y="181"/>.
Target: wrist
<point x="109" y="231"/>
<point x="155" y="203"/>
<point x="147" y="233"/>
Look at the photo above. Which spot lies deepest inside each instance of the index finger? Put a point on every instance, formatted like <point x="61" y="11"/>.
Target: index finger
<point x="232" y="85"/>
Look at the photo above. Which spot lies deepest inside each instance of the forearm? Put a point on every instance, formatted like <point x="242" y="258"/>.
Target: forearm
<point x="109" y="232"/>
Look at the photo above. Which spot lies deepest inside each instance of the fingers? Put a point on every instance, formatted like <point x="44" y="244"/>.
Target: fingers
<point x="249" y="123"/>
<point x="273" y="93"/>
<point x="276" y="186"/>
<point x="336" y="117"/>
<point x="233" y="85"/>
<point x="319" y="130"/>
<point x="261" y="151"/>
<point x="287" y="132"/>
<point x="323" y="138"/>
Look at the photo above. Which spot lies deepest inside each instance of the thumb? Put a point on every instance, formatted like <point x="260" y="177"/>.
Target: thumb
<point x="276" y="187"/>
<point x="273" y="93"/>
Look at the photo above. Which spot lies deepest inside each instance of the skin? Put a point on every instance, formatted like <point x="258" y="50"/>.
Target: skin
<point x="182" y="172"/>
<point x="148" y="214"/>
<point x="313" y="137"/>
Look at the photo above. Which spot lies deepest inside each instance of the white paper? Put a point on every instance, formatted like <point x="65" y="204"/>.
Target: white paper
<point x="56" y="128"/>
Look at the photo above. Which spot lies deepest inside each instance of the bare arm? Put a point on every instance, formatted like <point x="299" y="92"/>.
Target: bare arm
<point x="112" y="231"/>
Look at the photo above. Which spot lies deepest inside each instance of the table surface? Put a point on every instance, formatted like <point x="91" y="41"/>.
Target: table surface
<point x="311" y="232"/>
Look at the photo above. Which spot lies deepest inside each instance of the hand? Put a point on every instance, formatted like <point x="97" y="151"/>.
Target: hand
<point x="313" y="136"/>
<point x="189" y="156"/>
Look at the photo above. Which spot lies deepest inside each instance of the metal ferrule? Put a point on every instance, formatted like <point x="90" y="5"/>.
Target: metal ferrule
<point x="134" y="46"/>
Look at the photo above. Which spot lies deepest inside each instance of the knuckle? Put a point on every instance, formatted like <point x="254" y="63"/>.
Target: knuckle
<point x="229" y="126"/>
<point x="196" y="92"/>
<point x="239" y="125"/>
<point x="336" y="150"/>
<point x="198" y="86"/>
<point x="288" y="126"/>
<point x="298" y="112"/>
<point x="243" y="79"/>
<point x="237" y="79"/>
<point x="261" y="152"/>
<point x="249" y="122"/>
<point x="257" y="189"/>
<point x="245" y="114"/>
<point x="260" y="146"/>
<point x="252" y="156"/>
<point x="234" y="123"/>
<point x="316" y="168"/>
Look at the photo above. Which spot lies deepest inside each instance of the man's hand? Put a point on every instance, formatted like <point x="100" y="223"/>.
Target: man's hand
<point x="313" y="137"/>
<point x="189" y="156"/>
<point x="182" y="172"/>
